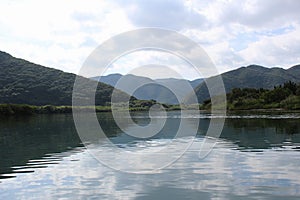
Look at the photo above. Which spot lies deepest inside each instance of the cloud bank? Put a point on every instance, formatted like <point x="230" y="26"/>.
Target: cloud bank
<point x="61" y="34"/>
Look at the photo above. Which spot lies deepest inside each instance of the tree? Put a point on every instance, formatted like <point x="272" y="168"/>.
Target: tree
<point x="276" y="95"/>
<point x="291" y="86"/>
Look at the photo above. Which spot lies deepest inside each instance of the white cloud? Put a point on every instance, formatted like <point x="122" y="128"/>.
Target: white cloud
<point x="224" y="57"/>
<point x="58" y="34"/>
<point x="62" y="34"/>
<point x="246" y="32"/>
<point x="279" y="50"/>
<point x="169" y="14"/>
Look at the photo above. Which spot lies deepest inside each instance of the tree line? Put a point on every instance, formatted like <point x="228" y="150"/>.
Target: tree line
<point x="284" y="96"/>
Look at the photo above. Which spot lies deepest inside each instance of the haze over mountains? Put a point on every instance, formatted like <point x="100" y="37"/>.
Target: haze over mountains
<point x="23" y="82"/>
<point x="253" y="76"/>
<point x="157" y="89"/>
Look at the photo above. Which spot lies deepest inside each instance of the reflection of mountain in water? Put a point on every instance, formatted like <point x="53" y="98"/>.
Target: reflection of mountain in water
<point x="36" y="138"/>
<point x="24" y="139"/>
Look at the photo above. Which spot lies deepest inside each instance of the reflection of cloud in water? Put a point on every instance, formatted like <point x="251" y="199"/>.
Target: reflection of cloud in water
<point x="225" y="173"/>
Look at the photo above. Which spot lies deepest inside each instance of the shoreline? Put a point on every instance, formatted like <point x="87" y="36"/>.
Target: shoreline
<point x="24" y="109"/>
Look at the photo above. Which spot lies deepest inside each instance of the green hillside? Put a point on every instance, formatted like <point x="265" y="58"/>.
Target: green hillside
<point x="23" y="82"/>
<point x="253" y="76"/>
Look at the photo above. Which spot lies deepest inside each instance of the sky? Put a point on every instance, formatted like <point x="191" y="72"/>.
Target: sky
<point x="62" y="33"/>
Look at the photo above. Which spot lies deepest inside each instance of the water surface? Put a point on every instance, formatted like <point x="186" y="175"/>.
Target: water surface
<point x="257" y="157"/>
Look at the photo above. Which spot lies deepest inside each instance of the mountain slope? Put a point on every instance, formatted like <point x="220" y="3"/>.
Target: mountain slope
<point x="23" y="82"/>
<point x="253" y="76"/>
<point x="158" y="89"/>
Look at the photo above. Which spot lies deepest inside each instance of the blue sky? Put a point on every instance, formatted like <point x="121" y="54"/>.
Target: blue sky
<point x="61" y="34"/>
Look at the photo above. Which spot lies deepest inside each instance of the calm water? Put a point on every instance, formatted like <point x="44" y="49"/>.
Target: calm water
<point x="257" y="157"/>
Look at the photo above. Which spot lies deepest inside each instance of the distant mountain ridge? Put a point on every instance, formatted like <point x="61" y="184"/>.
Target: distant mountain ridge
<point x="23" y="82"/>
<point x="252" y="76"/>
<point x="157" y="89"/>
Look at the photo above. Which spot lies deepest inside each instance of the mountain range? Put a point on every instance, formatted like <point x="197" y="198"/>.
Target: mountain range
<point x="23" y="82"/>
<point x="157" y="89"/>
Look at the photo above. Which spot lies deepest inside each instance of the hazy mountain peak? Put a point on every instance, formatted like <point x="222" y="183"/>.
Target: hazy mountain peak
<point x="158" y="89"/>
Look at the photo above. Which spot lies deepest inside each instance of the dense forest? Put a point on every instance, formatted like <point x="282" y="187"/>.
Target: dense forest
<point x="284" y="96"/>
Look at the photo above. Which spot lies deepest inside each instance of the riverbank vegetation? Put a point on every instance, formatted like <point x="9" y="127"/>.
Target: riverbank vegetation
<point x="285" y="96"/>
<point x="24" y="109"/>
<point x="281" y="97"/>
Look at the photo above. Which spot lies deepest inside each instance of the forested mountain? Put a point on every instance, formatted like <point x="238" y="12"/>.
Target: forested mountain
<point x="253" y="76"/>
<point x="23" y="82"/>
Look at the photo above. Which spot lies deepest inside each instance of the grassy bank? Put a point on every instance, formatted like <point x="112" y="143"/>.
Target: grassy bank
<point x="23" y="109"/>
<point x="18" y="109"/>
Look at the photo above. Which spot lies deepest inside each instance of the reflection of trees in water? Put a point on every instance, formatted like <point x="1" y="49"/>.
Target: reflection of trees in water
<point x="258" y="133"/>
<point x="108" y="125"/>
<point x="26" y="138"/>
<point x="281" y="126"/>
<point x="34" y="137"/>
<point x="288" y="127"/>
<point x="262" y="133"/>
